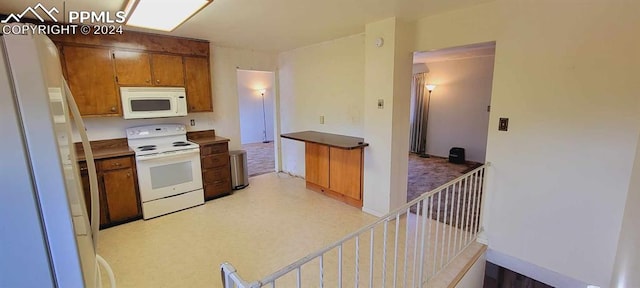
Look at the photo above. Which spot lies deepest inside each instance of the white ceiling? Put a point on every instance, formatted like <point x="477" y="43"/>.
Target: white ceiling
<point x="274" y="25"/>
<point x="455" y="53"/>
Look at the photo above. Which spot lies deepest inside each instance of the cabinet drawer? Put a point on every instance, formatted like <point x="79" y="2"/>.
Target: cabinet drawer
<point x="216" y="160"/>
<point x="214" y="175"/>
<point x="214" y="149"/>
<point x="115" y="163"/>
<point x="219" y="188"/>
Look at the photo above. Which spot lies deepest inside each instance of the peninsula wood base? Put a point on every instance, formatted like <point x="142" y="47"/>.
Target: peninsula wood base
<point x="335" y="195"/>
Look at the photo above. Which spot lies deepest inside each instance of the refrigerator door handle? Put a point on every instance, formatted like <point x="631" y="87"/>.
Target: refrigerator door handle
<point x="91" y="165"/>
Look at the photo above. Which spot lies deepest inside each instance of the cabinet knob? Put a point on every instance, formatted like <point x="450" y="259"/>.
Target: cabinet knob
<point x="113" y="108"/>
<point x="128" y="174"/>
<point x="158" y="81"/>
<point x="147" y="81"/>
<point x="117" y="164"/>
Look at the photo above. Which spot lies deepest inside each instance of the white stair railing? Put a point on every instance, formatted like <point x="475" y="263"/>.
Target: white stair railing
<point x="405" y="248"/>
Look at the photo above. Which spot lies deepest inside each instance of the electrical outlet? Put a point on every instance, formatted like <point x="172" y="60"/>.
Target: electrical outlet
<point x="321" y="119"/>
<point x="503" y="124"/>
<point x="193" y="122"/>
<point x="380" y="103"/>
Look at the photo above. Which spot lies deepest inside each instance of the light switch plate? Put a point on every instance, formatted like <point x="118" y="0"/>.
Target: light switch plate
<point x="503" y="124"/>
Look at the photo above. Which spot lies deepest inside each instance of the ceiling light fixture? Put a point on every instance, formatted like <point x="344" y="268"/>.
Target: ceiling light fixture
<point x="165" y="15"/>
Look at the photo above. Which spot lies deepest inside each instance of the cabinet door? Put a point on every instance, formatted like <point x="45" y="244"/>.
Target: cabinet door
<point x="198" y="84"/>
<point x="346" y="172"/>
<point x="167" y="70"/>
<point x="91" y="80"/>
<point x="316" y="160"/>
<point x="132" y="68"/>
<point x="120" y="191"/>
<point x="87" y="196"/>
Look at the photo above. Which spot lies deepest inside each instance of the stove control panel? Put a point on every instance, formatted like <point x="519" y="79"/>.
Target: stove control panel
<point x="159" y="130"/>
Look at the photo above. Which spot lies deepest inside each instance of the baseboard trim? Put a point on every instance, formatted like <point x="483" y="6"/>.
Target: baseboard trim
<point x="372" y="212"/>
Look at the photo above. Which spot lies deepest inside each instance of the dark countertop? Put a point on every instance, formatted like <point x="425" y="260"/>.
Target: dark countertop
<point x="209" y="140"/>
<point x="104" y="153"/>
<point x="103" y="149"/>
<point x="333" y="140"/>
<point x="205" y="137"/>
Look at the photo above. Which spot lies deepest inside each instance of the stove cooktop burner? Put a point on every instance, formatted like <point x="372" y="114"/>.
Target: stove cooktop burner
<point x="147" y="147"/>
<point x="180" y="143"/>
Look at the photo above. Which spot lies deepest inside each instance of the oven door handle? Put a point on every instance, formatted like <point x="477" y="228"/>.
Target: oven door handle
<point x="171" y="154"/>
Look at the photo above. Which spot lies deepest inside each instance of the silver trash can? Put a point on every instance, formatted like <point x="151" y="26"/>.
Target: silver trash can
<point x="239" y="173"/>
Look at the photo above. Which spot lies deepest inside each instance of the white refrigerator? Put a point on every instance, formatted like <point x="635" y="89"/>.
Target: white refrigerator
<point x="46" y="239"/>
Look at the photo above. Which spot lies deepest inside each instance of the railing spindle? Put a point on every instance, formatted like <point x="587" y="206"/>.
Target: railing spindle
<point x="322" y="270"/>
<point x="429" y="213"/>
<point x="299" y="277"/>
<point x="444" y="226"/>
<point x="371" y="261"/>
<point x="406" y="248"/>
<point x="384" y="254"/>
<point x="472" y="212"/>
<point x="357" y="276"/>
<point x="395" y="251"/>
<point x="437" y="223"/>
<point x="465" y="220"/>
<point x="424" y="222"/>
<point x="451" y="213"/>
<point x="415" y="246"/>
<point x="478" y="209"/>
<point x="340" y="266"/>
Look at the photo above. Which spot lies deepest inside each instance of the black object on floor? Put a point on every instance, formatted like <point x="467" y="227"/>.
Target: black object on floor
<point x="456" y="155"/>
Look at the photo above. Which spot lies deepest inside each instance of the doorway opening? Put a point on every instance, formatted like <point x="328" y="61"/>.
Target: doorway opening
<point x="256" y="104"/>
<point x="450" y="106"/>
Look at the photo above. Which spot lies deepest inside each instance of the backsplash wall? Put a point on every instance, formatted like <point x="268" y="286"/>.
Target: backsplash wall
<point x="103" y="128"/>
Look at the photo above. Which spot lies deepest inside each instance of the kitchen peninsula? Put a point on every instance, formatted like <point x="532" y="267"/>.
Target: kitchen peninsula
<point x="333" y="164"/>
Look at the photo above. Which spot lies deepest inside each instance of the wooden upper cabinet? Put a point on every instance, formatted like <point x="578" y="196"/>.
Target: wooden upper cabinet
<point x="133" y="68"/>
<point x="198" y="84"/>
<point x="137" y="68"/>
<point x="167" y="70"/>
<point x="90" y="76"/>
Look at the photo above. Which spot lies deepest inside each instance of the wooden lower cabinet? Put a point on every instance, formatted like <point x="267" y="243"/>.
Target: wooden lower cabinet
<point x="118" y="190"/>
<point x="216" y="170"/>
<point x="335" y="172"/>
<point x="345" y="168"/>
<point x="121" y="196"/>
<point x="316" y="160"/>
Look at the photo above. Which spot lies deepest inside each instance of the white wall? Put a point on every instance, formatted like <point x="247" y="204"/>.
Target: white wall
<point x="225" y="117"/>
<point x="458" y="115"/>
<point x="566" y="76"/>
<point x="252" y="118"/>
<point x="474" y="278"/>
<point x="321" y="80"/>
<point x="625" y="273"/>
<point x="387" y="78"/>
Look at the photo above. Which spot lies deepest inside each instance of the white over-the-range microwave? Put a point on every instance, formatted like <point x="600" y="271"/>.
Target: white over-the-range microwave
<point x="153" y="102"/>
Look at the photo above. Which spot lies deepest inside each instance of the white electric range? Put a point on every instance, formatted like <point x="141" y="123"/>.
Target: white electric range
<point x="168" y="166"/>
